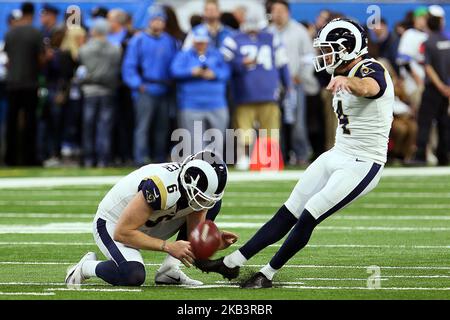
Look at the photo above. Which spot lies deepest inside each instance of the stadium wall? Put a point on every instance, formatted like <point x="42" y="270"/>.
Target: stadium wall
<point x="393" y="11"/>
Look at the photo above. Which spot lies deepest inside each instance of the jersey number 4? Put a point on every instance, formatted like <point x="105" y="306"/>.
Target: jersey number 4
<point x="343" y="119"/>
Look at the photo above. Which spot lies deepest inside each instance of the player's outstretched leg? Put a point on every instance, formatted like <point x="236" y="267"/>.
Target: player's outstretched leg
<point x="345" y="184"/>
<point x="297" y="240"/>
<point x="271" y="232"/>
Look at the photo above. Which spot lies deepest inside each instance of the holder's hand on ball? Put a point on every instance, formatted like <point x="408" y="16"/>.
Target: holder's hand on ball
<point x="182" y="251"/>
<point x="227" y="239"/>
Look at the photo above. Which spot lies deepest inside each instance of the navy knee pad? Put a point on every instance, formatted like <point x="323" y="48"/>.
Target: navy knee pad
<point x="132" y="273"/>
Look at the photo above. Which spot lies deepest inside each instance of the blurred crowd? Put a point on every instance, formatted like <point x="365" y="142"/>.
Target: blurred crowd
<point x="110" y="95"/>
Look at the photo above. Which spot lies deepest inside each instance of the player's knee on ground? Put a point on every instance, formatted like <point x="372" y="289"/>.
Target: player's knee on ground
<point x="132" y="273"/>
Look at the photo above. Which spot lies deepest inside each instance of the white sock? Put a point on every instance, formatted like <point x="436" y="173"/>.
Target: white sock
<point x="88" y="268"/>
<point x="268" y="271"/>
<point x="168" y="263"/>
<point x="234" y="259"/>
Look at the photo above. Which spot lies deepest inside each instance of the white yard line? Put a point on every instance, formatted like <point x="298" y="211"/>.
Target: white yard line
<point x="46" y="215"/>
<point x="240" y="217"/>
<point x="273" y="204"/>
<point x="349" y="246"/>
<point x="366" y="288"/>
<point x="56" y="193"/>
<point x="227" y="204"/>
<point x="383" y="278"/>
<point x="56" y="181"/>
<point x="27" y="293"/>
<point x="402" y="206"/>
<point x="295" y="266"/>
<point x="35" y="263"/>
<point x="233" y="177"/>
<point x="94" y="290"/>
<point x="32" y="284"/>
<point x="412" y="185"/>
<point x="300" y="287"/>
<point x="375" y="194"/>
<point x="48" y="203"/>
<point x="400" y="216"/>
<point x="390" y="217"/>
<point x="86" y="228"/>
<point x="31" y="243"/>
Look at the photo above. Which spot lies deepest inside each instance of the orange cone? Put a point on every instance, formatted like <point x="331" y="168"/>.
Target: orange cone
<point x="266" y="155"/>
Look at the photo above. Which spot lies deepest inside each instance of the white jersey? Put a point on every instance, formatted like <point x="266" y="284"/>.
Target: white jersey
<point x="365" y="123"/>
<point x="159" y="184"/>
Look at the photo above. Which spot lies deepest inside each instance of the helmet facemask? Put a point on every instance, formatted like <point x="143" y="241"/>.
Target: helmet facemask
<point x="192" y="180"/>
<point x="340" y="41"/>
<point x="331" y="55"/>
<point x="197" y="199"/>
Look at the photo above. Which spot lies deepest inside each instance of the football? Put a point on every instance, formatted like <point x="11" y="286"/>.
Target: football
<point x="205" y="239"/>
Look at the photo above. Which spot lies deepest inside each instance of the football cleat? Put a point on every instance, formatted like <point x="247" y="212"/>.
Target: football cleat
<point x="217" y="266"/>
<point x="74" y="276"/>
<point x="174" y="276"/>
<point x="257" y="281"/>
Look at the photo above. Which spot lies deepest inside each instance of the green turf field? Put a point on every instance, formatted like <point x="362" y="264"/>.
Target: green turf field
<point x="403" y="227"/>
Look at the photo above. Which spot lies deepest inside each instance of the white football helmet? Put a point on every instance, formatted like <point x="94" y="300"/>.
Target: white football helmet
<point x="340" y="41"/>
<point x="203" y="176"/>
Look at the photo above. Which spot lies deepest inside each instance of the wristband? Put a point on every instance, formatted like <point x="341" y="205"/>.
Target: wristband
<point x="163" y="246"/>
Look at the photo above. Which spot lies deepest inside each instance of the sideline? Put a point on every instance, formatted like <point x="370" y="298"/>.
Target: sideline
<point x="287" y="175"/>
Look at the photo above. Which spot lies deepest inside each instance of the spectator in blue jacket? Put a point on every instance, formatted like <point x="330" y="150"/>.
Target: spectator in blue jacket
<point x="146" y="70"/>
<point x="202" y="75"/>
<point x="259" y="65"/>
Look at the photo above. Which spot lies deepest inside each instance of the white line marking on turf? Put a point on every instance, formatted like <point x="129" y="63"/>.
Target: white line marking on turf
<point x="329" y="288"/>
<point x="351" y="246"/>
<point x="299" y="266"/>
<point x="389" y="217"/>
<point x="30" y="243"/>
<point x="31" y="284"/>
<point x="47" y="202"/>
<point x="56" y="181"/>
<point x="375" y="194"/>
<point x="236" y="216"/>
<point x="411" y="185"/>
<point x="227" y="204"/>
<point x="85" y="227"/>
<point x="56" y="193"/>
<point x="272" y="204"/>
<point x="46" y="215"/>
<point x="27" y="293"/>
<point x="94" y="290"/>
<point x="403" y="206"/>
<point x="233" y="177"/>
<point x="213" y="286"/>
<point x="400" y="216"/>
<point x="366" y="288"/>
<point x="384" y="277"/>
